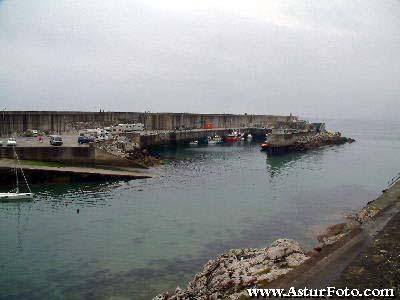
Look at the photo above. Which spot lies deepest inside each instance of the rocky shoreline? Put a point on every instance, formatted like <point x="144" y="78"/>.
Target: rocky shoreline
<point x="228" y="276"/>
<point x="232" y="272"/>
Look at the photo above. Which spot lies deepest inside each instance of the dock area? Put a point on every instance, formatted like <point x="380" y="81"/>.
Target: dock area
<point x="172" y="137"/>
<point x="51" y="172"/>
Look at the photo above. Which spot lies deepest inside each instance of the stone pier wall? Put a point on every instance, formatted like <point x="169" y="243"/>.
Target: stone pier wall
<point x="12" y="122"/>
<point x="68" y="155"/>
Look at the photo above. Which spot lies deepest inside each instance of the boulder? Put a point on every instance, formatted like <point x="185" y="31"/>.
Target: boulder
<point x="234" y="271"/>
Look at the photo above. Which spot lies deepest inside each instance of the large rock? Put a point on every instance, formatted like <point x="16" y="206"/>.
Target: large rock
<point x="234" y="271"/>
<point x="282" y="248"/>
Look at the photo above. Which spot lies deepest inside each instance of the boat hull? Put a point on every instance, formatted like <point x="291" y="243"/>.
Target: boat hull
<point x="8" y="197"/>
<point x="230" y="139"/>
<point x="264" y="146"/>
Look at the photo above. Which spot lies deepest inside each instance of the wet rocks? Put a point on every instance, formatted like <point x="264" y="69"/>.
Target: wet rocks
<point x="333" y="234"/>
<point x="319" y="140"/>
<point x="232" y="272"/>
<point x="367" y="214"/>
<point x="122" y="147"/>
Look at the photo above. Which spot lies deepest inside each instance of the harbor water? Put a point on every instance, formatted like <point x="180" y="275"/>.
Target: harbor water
<point x="133" y="240"/>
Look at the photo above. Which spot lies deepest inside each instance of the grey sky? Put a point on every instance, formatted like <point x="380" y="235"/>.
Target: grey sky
<point x="325" y="58"/>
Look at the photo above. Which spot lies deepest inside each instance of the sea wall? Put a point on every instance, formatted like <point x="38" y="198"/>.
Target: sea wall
<point x="62" y="121"/>
<point x="51" y="153"/>
<point x="284" y="140"/>
<point x="70" y="155"/>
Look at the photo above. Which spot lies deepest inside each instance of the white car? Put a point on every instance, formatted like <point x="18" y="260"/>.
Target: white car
<point x="11" y="142"/>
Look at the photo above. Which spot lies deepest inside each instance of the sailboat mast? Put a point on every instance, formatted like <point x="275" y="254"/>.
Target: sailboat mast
<point x="16" y="170"/>
<point x="22" y="172"/>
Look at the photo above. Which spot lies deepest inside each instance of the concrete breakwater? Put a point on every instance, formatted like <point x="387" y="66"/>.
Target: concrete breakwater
<point x="281" y="143"/>
<point x="44" y="173"/>
<point x="61" y="122"/>
<point x="173" y="137"/>
<point x="69" y="155"/>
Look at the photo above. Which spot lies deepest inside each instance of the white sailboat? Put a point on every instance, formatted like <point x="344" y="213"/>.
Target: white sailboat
<point x="15" y="195"/>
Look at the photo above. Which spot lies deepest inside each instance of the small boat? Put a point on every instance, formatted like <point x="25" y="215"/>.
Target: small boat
<point x="194" y="143"/>
<point x="233" y="137"/>
<point x="265" y="145"/>
<point x="214" y="140"/>
<point x="15" y="195"/>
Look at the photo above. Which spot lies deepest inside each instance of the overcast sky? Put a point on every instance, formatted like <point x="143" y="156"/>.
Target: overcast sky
<point x="313" y="58"/>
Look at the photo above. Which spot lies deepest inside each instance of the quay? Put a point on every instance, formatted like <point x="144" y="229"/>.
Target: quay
<point x="112" y="141"/>
<point x="69" y="154"/>
<point x="173" y="137"/>
<point x="37" y="172"/>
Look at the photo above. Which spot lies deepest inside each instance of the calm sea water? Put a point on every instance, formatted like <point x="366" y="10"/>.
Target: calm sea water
<point x="132" y="240"/>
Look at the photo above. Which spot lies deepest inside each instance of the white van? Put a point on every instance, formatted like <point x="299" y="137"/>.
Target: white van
<point x="122" y="128"/>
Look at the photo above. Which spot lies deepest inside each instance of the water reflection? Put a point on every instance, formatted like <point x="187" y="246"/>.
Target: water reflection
<point x="277" y="164"/>
<point x="282" y="165"/>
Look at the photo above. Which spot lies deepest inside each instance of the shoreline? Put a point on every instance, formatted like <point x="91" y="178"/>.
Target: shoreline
<point x="285" y="264"/>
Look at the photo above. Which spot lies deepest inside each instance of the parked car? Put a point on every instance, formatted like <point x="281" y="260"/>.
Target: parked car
<point x="56" y="140"/>
<point x="102" y="138"/>
<point x="31" y="133"/>
<point x="83" y="139"/>
<point x="11" y="142"/>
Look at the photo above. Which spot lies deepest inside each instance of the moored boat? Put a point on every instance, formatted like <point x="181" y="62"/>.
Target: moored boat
<point x="235" y="136"/>
<point x="4" y="197"/>
<point x="15" y="195"/>
<point x="214" y="140"/>
<point x="265" y="145"/>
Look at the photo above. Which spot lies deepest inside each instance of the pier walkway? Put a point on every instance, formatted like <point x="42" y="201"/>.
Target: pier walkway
<point x="40" y="172"/>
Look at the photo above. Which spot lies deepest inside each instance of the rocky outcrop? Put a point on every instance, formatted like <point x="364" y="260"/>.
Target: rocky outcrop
<point x="232" y="272"/>
<point x="125" y="148"/>
<point x="293" y="143"/>
<point x="319" y="140"/>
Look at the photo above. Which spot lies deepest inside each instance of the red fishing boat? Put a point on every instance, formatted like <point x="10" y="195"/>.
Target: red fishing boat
<point x="233" y="137"/>
<point x="265" y="145"/>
